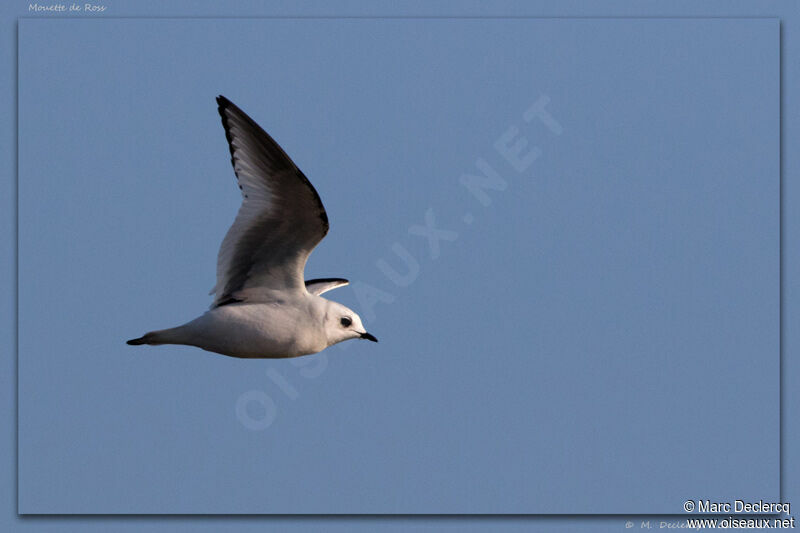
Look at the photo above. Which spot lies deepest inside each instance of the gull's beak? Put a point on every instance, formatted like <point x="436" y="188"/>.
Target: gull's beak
<point x="369" y="337"/>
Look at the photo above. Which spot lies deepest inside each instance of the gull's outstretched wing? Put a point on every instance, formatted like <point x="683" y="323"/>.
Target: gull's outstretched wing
<point x="280" y="221"/>
<point x="318" y="286"/>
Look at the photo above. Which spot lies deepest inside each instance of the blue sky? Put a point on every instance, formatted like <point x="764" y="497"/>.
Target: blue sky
<point x="562" y="336"/>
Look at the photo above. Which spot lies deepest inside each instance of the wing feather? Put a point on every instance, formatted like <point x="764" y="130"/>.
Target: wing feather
<point x="281" y="219"/>
<point x="318" y="286"/>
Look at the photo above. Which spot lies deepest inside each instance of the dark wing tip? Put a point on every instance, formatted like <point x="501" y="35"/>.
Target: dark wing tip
<point x="223" y="104"/>
<point x="268" y="144"/>
<point x="326" y="280"/>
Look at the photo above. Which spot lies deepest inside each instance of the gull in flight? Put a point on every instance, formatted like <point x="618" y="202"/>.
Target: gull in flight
<point x="262" y="307"/>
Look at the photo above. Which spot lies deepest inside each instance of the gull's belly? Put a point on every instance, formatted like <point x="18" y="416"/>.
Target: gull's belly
<point x="258" y="330"/>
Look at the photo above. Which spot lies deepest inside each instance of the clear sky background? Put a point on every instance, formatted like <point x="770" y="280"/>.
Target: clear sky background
<point x="613" y="311"/>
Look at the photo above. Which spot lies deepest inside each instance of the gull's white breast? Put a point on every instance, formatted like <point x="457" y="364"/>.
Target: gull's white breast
<point x="258" y="330"/>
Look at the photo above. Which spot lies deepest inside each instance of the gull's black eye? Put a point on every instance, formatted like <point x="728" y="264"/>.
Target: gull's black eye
<point x="346" y="321"/>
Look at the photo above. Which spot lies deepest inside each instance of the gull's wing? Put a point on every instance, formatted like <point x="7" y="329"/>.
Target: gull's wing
<point x="318" y="286"/>
<point x="280" y="221"/>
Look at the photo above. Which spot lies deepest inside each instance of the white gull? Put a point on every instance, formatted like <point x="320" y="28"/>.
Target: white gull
<point x="263" y="308"/>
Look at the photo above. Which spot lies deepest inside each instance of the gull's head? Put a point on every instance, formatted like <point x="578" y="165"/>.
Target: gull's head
<point x="342" y="324"/>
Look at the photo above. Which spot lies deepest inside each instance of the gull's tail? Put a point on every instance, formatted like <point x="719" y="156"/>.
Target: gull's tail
<point x="137" y="342"/>
<point x="162" y="336"/>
